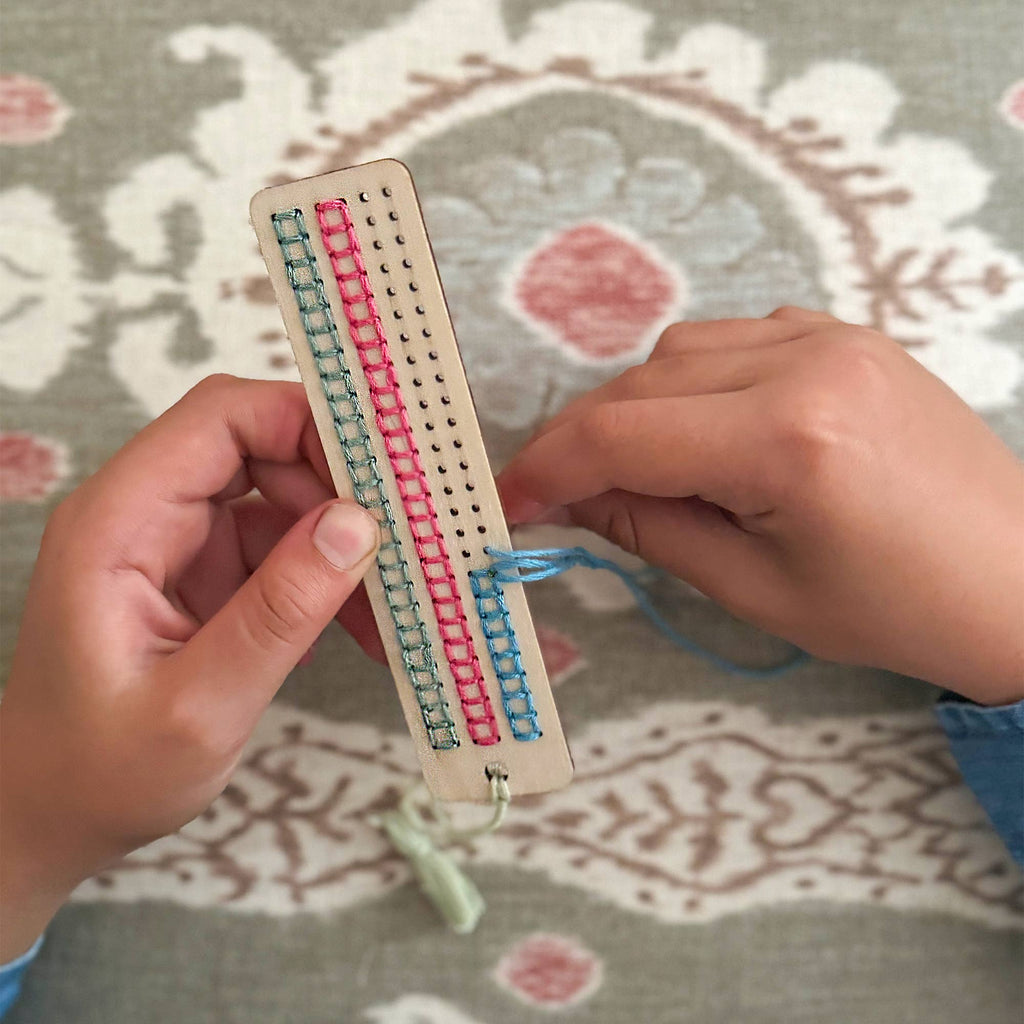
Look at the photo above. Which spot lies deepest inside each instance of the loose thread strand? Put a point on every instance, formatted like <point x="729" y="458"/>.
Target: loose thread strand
<point x="541" y="564"/>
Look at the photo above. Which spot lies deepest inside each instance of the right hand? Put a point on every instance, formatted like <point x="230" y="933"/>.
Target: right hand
<point x="813" y="478"/>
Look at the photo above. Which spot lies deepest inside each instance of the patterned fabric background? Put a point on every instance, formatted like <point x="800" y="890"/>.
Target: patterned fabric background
<point x="732" y="850"/>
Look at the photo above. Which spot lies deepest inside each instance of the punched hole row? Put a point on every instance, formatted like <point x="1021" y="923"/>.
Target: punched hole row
<point x="433" y="356"/>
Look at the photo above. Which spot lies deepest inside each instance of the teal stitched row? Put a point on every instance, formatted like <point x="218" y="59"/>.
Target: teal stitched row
<point x="322" y="335"/>
<point x="496" y="623"/>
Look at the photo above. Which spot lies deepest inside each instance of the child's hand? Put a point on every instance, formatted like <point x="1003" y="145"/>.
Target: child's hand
<point x="814" y="479"/>
<point x="164" y="612"/>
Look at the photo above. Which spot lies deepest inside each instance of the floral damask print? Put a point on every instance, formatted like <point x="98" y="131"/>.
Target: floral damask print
<point x="44" y="300"/>
<point x="1012" y="105"/>
<point x="888" y="212"/>
<point x="683" y="812"/>
<point x="31" y="467"/>
<point x="599" y="292"/>
<point x="594" y="254"/>
<point x="418" y="1008"/>
<point x="549" y="971"/>
<point x="30" y="111"/>
<point x="561" y="656"/>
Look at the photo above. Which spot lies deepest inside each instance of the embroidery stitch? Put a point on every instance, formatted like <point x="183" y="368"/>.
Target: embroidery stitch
<point x="336" y="380"/>
<point x="368" y="336"/>
<point x="496" y="622"/>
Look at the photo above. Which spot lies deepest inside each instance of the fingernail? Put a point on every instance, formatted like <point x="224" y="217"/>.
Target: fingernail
<point x="345" y="534"/>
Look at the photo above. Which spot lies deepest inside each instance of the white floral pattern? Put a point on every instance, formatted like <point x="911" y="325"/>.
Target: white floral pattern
<point x="889" y="213"/>
<point x="681" y="812"/>
<point x="44" y="299"/>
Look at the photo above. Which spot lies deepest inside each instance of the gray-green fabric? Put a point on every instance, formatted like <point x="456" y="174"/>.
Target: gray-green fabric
<point x="799" y="850"/>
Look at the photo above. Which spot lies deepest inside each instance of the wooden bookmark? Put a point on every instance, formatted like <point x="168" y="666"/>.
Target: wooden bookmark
<point x="362" y="302"/>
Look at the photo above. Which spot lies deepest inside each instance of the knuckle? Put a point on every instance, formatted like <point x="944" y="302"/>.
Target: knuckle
<point x="215" y="384"/>
<point x="633" y="382"/>
<point x="280" y="609"/>
<point x="621" y="528"/>
<point x="188" y="724"/>
<point x="789" y="312"/>
<point x="603" y="427"/>
<point x="672" y="339"/>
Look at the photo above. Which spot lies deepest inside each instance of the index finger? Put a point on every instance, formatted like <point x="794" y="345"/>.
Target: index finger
<point x="195" y="449"/>
<point x="694" y="446"/>
<point x="148" y="507"/>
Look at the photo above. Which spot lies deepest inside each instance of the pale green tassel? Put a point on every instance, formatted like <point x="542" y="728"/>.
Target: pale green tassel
<point x="422" y="844"/>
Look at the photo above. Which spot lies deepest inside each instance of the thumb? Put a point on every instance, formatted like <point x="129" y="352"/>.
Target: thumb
<point x="258" y="637"/>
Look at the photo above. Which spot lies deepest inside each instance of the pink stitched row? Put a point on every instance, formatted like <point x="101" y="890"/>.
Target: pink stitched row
<point x="393" y="423"/>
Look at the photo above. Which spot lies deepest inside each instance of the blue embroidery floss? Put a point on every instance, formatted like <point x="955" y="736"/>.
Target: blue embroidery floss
<point x="528" y="566"/>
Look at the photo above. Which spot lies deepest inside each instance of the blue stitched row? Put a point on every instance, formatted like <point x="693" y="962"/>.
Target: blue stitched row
<point x="322" y="335"/>
<point x="496" y="623"/>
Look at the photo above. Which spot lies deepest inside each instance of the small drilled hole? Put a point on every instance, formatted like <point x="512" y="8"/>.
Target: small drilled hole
<point x="407" y="264"/>
<point x="411" y="360"/>
<point x="460" y="533"/>
<point x="397" y="314"/>
<point x="400" y="239"/>
<point x="435" y="447"/>
<point x="424" y="404"/>
<point x="476" y="508"/>
<point x="445" y="400"/>
<point x="364" y="197"/>
<point x="465" y="554"/>
<point x="442" y="469"/>
<point x="386" y="190"/>
<point x="457" y="443"/>
<point x="371" y="220"/>
<point x="420" y="310"/>
<point x="425" y="332"/>
<point x="463" y="465"/>
<point x="470" y="487"/>
<point x="447" y="490"/>
<point x="432" y="355"/>
<point x="429" y="426"/>
<point x="377" y="244"/>
<point x="416" y="382"/>
<point x="439" y="377"/>
<point x="391" y="291"/>
<point x="454" y="511"/>
<point x="481" y="529"/>
<point x="384" y="269"/>
<point x="403" y="336"/>
<point x="393" y="215"/>
<point x="451" y="421"/>
<point x="413" y="286"/>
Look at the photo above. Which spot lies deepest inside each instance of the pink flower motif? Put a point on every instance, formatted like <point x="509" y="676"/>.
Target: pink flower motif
<point x="30" y="111"/>
<point x="1012" y="104"/>
<point x="30" y="467"/>
<point x="600" y="293"/>
<point x="550" y="971"/>
<point x="561" y="656"/>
